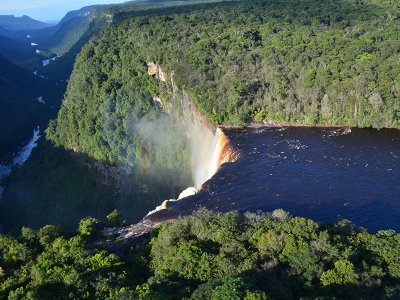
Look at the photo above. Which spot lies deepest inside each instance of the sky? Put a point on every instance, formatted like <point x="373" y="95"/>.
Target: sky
<point x="45" y="10"/>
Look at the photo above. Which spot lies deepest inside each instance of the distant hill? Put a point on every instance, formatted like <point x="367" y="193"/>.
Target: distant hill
<point x="16" y="36"/>
<point x="11" y="22"/>
<point x="57" y="38"/>
<point x="84" y="12"/>
<point x="70" y="29"/>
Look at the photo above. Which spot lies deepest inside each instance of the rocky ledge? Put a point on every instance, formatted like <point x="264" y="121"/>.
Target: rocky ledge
<point x="120" y="239"/>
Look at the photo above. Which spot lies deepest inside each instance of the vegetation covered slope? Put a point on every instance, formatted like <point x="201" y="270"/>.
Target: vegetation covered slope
<point x="308" y="61"/>
<point x="77" y="27"/>
<point x="211" y="256"/>
<point x="20" y="111"/>
<point x="55" y="187"/>
<point x="71" y="28"/>
<point x="296" y="61"/>
<point x="76" y="24"/>
<point x="150" y="156"/>
<point x="38" y="198"/>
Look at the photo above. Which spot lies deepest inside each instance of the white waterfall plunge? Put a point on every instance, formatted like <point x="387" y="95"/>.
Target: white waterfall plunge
<point x="208" y="152"/>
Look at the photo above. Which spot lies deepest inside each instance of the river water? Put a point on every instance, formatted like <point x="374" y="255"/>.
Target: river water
<point x="322" y="173"/>
<point x="20" y="158"/>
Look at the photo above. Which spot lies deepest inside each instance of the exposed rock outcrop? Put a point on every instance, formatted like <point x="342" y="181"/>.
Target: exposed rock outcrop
<point x="120" y="239"/>
<point x="161" y="75"/>
<point x="180" y="106"/>
<point x="153" y="69"/>
<point x="158" y="100"/>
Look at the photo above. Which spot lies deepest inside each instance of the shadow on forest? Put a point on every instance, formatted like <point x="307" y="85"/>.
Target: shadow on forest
<point x="59" y="187"/>
<point x="67" y="192"/>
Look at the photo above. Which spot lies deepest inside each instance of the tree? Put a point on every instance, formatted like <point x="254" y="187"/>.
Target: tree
<point x="343" y="274"/>
<point x="86" y="227"/>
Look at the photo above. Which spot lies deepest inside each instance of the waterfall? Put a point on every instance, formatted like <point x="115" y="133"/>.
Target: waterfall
<point x="222" y="153"/>
<point x="208" y="152"/>
<point x="209" y="146"/>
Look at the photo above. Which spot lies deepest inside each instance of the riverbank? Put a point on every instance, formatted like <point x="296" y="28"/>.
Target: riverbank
<point x="269" y="124"/>
<point x="276" y="124"/>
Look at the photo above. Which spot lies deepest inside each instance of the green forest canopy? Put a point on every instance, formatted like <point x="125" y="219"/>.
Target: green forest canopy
<point x="210" y="256"/>
<point x="311" y="62"/>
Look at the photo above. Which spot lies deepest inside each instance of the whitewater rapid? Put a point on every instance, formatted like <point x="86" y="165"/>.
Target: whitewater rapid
<point x="20" y="158"/>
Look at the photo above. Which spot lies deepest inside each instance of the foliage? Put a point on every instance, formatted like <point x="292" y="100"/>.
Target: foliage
<point x="304" y="62"/>
<point x="342" y="274"/>
<point x="284" y="258"/>
<point x="66" y="268"/>
<point x="115" y="218"/>
<point x="54" y="187"/>
<point x="292" y="61"/>
<point x="209" y="256"/>
<point x="86" y="227"/>
<point x="20" y="111"/>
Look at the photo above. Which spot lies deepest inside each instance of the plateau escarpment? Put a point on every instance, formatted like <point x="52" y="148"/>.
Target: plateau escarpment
<point x="216" y="66"/>
<point x="236" y="70"/>
<point x="286" y="64"/>
<point x="303" y="63"/>
<point x="139" y="124"/>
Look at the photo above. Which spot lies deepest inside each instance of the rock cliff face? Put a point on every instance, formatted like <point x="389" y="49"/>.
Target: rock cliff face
<point x="153" y="69"/>
<point x="177" y="103"/>
<point x="210" y="147"/>
<point x="190" y="109"/>
<point x="120" y="239"/>
<point x="209" y="144"/>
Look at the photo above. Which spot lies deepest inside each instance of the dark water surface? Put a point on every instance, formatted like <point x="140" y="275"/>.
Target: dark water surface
<point x="324" y="174"/>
